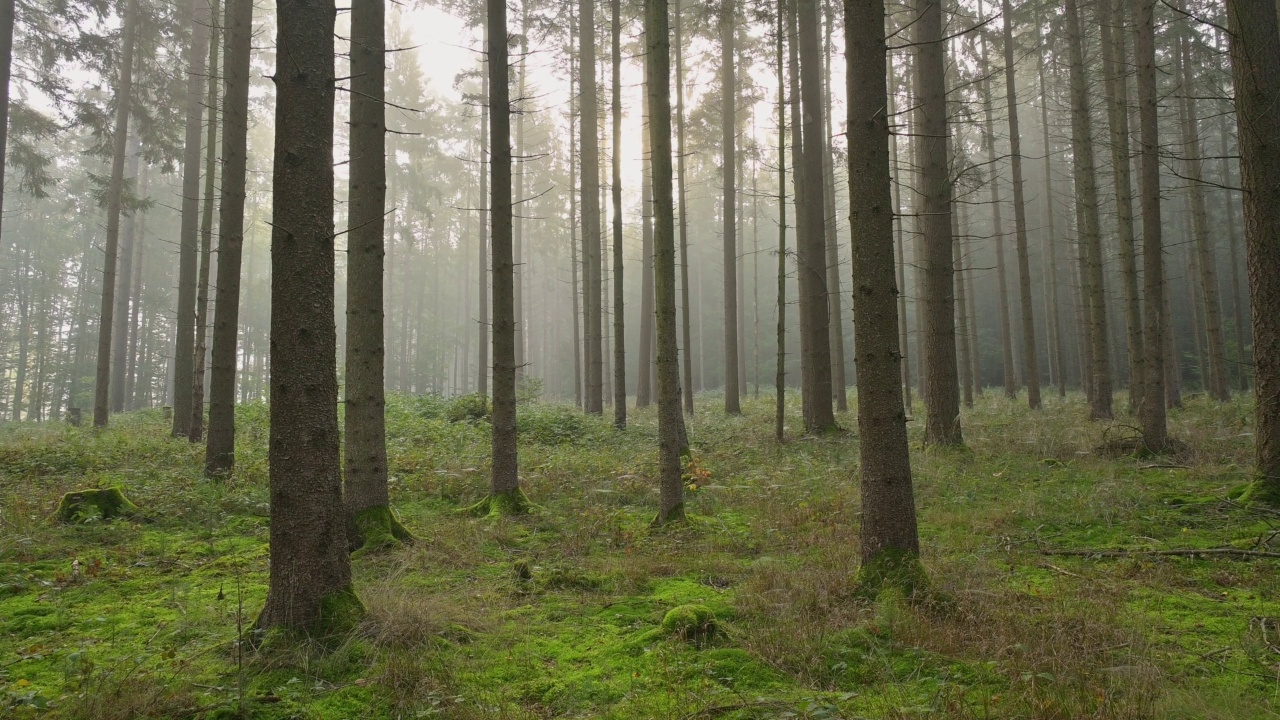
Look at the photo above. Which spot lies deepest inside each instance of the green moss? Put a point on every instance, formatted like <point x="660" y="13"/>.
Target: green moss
<point x="103" y="503"/>
<point x="340" y="612"/>
<point x="691" y="623"/>
<point x="501" y="505"/>
<point x="676" y="516"/>
<point x="378" y="527"/>
<point x="892" y="569"/>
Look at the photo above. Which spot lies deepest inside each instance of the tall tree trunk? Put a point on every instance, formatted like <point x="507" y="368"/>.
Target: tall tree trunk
<point x="658" y="82"/>
<point x="780" y="371"/>
<point x="962" y="310"/>
<point x="619" y="328"/>
<point x="1255" y="61"/>
<point x="310" y="583"/>
<point x="1057" y="351"/>
<point x="997" y="232"/>
<point x="522" y="336"/>
<point x="1217" y="385"/>
<point x="811" y="251"/>
<point x="483" y="367"/>
<point x="1029" y="350"/>
<point x="685" y="311"/>
<point x="573" y="234"/>
<point x="728" y="207"/>
<point x="505" y="496"/>
<point x="197" y="75"/>
<point x="835" y="302"/>
<point x="903" y="338"/>
<point x="196" y="433"/>
<point x="1089" y="232"/>
<point x="1111" y="18"/>
<point x="7" y="8"/>
<point x="365" y="494"/>
<point x="124" y="281"/>
<point x="1238" y="311"/>
<point x="1155" y="432"/>
<point x="135" y="313"/>
<point x="591" y="256"/>
<point x="646" y="377"/>
<point x="888" y="535"/>
<point x="219" y="457"/>
<point x="942" y="391"/>
<point x="115" y="193"/>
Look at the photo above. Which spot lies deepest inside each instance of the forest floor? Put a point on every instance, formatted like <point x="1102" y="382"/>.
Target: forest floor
<point x="126" y="619"/>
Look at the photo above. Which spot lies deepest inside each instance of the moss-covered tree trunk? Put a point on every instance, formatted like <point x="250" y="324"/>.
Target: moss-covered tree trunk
<point x="310" y="583"/>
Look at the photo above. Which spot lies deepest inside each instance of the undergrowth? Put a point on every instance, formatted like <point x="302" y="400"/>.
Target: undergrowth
<point x="559" y="613"/>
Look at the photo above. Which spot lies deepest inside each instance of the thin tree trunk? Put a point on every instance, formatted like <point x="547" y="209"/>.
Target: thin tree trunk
<point x="646" y="377"/>
<point x="962" y="309"/>
<point x="619" y="328"/>
<point x="811" y="250"/>
<point x="1111" y="18"/>
<point x="780" y="371"/>
<point x="835" y="310"/>
<point x="1089" y="232"/>
<point x="1155" y="432"/>
<point x="124" y="281"/>
<point x="483" y="369"/>
<point x="1217" y="384"/>
<point x="1029" y="349"/>
<point x="522" y="337"/>
<point x="135" y="362"/>
<point x="1238" y="311"/>
<point x="728" y="207"/>
<point x="573" y="235"/>
<point x="1255" y="60"/>
<point x="685" y="322"/>
<point x="505" y="496"/>
<point x="888" y="535"/>
<point x="7" y="8"/>
<point x="941" y="391"/>
<point x="220" y="445"/>
<point x="591" y="256"/>
<point x="115" y="192"/>
<point x="196" y="433"/>
<point x="997" y="232"/>
<point x="197" y="52"/>
<point x="903" y="339"/>
<point x="310" y="582"/>
<point x="658" y="82"/>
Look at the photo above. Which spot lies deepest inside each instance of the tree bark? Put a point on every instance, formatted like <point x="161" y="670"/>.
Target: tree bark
<point x="997" y="231"/>
<point x="196" y="433"/>
<point x="811" y="249"/>
<point x="888" y="508"/>
<point x="1255" y="60"/>
<point x="941" y="391"/>
<point x="835" y="311"/>
<point x="646" y="377"/>
<point x="483" y="368"/>
<point x="685" y="322"/>
<point x="220" y="447"/>
<point x="505" y="496"/>
<point x="1154" y="429"/>
<point x="1089" y="232"/>
<point x="780" y="371"/>
<point x="1029" y="350"/>
<point x="115" y="192"/>
<point x="1217" y="385"/>
<point x="903" y="339"/>
<point x="728" y="207"/>
<point x="658" y="82"/>
<point x="619" y="328"/>
<point x="7" y="13"/>
<point x="124" y="281"/>
<point x="197" y="53"/>
<point x="310" y="583"/>
<point x="365" y="493"/>
<point x="591" y="256"/>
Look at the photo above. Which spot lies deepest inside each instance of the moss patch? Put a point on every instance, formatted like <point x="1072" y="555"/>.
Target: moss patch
<point x="378" y="527"/>
<point x="691" y="623"/>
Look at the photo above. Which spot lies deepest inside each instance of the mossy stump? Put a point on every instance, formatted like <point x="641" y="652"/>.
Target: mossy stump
<point x="104" y="503"/>
<point x="694" y="624"/>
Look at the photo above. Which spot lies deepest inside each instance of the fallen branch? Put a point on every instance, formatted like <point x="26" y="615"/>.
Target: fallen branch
<point x="1183" y="552"/>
